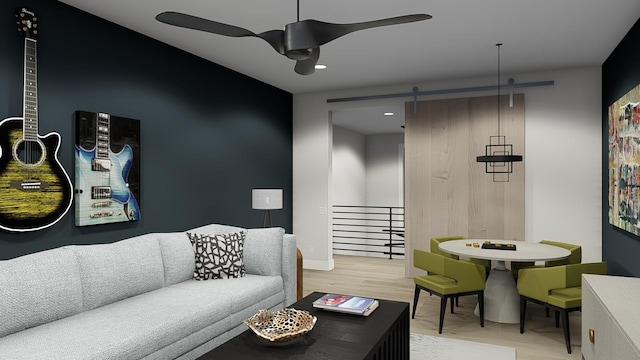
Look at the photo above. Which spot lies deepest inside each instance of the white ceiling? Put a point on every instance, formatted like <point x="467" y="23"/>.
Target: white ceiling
<point x="371" y="120"/>
<point x="458" y="42"/>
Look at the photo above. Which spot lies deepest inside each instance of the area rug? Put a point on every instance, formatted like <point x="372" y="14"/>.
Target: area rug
<point x="441" y="348"/>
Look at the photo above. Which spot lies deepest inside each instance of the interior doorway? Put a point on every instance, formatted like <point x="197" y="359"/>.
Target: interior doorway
<point x="368" y="181"/>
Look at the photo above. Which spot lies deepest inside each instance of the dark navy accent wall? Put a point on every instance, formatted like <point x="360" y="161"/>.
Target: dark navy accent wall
<point x="208" y="134"/>
<point x="620" y="73"/>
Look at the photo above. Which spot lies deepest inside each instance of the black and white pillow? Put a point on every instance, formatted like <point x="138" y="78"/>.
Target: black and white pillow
<point x="218" y="256"/>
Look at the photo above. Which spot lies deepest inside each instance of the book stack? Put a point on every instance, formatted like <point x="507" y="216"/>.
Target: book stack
<point x="347" y="304"/>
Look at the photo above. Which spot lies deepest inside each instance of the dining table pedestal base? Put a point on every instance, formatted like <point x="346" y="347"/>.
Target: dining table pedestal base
<point x="501" y="298"/>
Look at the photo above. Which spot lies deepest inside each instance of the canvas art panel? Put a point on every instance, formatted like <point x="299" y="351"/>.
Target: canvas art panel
<point x="624" y="161"/>
<point x="107" y="169"/>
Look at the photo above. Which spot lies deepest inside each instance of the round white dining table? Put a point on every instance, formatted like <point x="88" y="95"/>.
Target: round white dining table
<point x="501" y="298"/>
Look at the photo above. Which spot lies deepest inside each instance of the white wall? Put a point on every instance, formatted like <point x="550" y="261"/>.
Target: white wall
<point x="367" y="169"/>
<point x="312" y="191"/>
<point x="563" y="162"/>
<point x="349" y="167"/>
<point x="563" y="188"/>
<point x="384" y="170"/>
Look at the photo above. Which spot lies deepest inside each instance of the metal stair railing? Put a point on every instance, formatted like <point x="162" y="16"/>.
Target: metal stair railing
<point x="369" y="229"/>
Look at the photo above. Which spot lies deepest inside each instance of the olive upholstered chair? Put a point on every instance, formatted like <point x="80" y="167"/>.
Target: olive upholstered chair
<point x="435" y="248"/>
<point x="558" y="288"/>
<point x="574" y="258"/>
<point x="448" y="278"/>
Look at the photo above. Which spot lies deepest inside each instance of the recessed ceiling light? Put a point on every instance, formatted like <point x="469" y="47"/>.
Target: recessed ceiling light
<point x="389" y="114"/>
<point x="320" y="67"/>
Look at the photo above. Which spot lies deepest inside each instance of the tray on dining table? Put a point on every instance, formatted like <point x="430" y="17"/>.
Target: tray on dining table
<point x="499" y="246"/>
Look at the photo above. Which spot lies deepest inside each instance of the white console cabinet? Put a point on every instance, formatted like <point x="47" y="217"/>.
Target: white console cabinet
<point x="610" y="317"/>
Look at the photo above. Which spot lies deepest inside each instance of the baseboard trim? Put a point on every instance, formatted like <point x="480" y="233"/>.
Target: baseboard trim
<point x="318" y="264"/>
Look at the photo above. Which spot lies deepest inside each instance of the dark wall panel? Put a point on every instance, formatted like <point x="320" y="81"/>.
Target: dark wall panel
<point x="620" y="73"/>
<point x="208" y="134"/>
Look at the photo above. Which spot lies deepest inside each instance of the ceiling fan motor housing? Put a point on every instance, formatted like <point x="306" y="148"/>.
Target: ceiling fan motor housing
<point x="299" y="39"/>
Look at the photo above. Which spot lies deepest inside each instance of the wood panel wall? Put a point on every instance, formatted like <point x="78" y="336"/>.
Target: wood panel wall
<point x="447" y="192"/>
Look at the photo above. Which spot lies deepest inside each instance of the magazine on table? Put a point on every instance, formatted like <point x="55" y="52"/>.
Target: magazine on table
<point x="347" y="304"/>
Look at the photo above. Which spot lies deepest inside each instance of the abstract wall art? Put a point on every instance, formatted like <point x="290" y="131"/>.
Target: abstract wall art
<point x="624" y="162"/>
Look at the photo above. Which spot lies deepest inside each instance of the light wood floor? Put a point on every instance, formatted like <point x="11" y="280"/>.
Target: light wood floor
<point x="384" y="279"/>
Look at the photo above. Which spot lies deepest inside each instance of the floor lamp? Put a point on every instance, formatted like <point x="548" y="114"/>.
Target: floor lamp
<point x="266" y="199"/>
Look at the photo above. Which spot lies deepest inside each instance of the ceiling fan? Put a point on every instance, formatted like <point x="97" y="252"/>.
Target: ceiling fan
<point x="299" y="41"/>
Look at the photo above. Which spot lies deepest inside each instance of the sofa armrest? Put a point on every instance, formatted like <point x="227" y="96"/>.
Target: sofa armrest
<point x="289" y="268"/>
<point x="271" y="252"/>
<point x="263" y="251"/>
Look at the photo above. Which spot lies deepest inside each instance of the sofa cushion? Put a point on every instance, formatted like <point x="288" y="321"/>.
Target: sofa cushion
<point x="177" y="257"/>
<point x="38" y="288"/>
<point x="244" y="292"/>
<point x="218" y="256"/>
<point x="215" y="229"/>
<point x="128" y="329"/>
<point x="263" y="251"/>
<point x="259" y="292"/>
<point x="112" y="272"/>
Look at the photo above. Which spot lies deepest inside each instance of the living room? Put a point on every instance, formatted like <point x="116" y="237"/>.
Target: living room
<point x="205" y="127"/>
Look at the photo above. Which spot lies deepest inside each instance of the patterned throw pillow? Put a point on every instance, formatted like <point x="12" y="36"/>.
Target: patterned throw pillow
<point x="218" y="256"/>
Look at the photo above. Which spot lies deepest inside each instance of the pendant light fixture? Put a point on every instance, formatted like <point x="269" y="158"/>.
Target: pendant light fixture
<point x="498" y="157"/>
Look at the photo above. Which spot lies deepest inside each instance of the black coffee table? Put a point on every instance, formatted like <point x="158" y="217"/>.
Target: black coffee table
<point x="382" y="335"/>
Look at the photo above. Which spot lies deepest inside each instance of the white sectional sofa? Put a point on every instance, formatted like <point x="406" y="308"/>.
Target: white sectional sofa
<point x="136" y="299"/>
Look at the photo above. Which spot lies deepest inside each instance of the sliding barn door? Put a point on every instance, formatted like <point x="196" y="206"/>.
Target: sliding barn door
<point x="446" y="191"/>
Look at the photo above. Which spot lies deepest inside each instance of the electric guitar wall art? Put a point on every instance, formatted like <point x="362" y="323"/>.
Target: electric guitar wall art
<point x="107" y="169"/>
<point x="35" y="190"/>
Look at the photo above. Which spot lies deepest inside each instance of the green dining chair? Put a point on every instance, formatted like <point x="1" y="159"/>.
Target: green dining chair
<point x="574" y="258"/>
<point x="558" y="288"/>
<point x="435" y="248"/>
<point x="435" y="242"/>
<point x="448" y="278"/>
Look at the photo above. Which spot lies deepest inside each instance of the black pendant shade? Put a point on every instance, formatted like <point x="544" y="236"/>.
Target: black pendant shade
<point x="499" y="158"/>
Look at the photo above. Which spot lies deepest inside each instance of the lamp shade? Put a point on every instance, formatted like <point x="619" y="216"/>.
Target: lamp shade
<point x="266" y="199"/>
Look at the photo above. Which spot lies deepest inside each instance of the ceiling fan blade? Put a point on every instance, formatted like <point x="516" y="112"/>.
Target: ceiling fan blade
<point x="311" y="33"/>
<point x="308" y="65"/>
<point x="198" y="23"/>
<point x="273" y="37"/>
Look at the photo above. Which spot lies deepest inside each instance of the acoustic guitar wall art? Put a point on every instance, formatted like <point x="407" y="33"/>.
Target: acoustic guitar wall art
<point x="35" y="190"/>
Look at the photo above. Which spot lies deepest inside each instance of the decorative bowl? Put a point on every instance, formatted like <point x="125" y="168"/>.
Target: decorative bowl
<point x="282" y="325"/>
